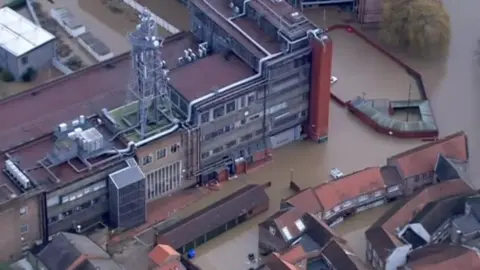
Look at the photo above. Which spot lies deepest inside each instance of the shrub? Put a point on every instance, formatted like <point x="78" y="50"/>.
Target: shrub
<point x="7" y="76"/>
<point x="422" y="27"/>
<point x="29" y="75"/>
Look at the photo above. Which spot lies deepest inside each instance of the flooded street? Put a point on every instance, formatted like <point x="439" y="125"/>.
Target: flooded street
<point x="453" y="86"/>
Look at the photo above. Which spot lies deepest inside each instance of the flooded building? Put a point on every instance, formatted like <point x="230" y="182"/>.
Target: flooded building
<point x="443" y="256"/>
<point x="246" y="79"/>
<point x="353" y="193"/>
<point x="223" y="215"/>
<point x="393" y="236"/>
<point x="417" y="166"/>
<point x="304" y="242"/>
<point x="265" y="69"/>
<point x="443" y="160"/>
<point x="60" y="182"/>
<point x="72" y="251"/>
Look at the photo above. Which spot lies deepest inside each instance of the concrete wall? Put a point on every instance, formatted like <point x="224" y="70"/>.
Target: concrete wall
<point x="37" y="59"/>
<point x="259" y="111"/>
<point x="166" y="158"/>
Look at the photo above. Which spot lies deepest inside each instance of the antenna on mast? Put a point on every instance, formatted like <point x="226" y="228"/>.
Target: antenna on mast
<point x="149" y="82"/>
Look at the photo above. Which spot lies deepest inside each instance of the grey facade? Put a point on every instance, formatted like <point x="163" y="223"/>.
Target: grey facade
<point x="263" y="113"/>
<point x="36" y="59"/>
<point x="127" y="197"/>
<point x="80" y="203"/>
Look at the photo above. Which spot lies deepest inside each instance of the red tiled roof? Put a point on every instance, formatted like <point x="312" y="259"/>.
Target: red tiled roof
<point x="422" y="159"/>
<point x="349" y="187"/>
<point x="382" y="234"/>
<point x="161" y="253"/>
<point x="306" y="201"/>
<point x="287" y="220"/>
<point x="429" y="194"/>
<point x="294" y="255"/>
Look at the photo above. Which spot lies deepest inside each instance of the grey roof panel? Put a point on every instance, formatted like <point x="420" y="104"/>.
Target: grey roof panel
<point x="127" y="175"/>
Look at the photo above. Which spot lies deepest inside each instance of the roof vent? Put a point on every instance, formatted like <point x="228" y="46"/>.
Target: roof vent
<point x="296" y="16"/>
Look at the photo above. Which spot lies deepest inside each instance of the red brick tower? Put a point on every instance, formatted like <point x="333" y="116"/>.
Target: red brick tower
<point x="317" y="129"/>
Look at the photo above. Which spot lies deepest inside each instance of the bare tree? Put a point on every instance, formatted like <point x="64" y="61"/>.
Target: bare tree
<point x="420" y="26"/>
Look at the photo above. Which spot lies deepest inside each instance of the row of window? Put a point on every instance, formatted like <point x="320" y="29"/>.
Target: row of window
<point x="72" y="196"/>
<point x="164" y="180"/>
<point x="350" y="203"/>
<point x="78" y="194"/>
<point x="228" y="108"/>
<point x="233" y="143"/>
<point x="213" y="135"/>
<point x="78" y="208"/>
<point x="160" y="154"/>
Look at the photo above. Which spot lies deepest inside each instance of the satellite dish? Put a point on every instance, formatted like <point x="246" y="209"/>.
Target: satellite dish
<point x="156" y="43"/>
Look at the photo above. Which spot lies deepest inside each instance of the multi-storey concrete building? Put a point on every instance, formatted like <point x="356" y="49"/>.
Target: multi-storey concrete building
<point x="267" y="71"/>
<point x="249" y="77"/>
<point x="60" y="182"/>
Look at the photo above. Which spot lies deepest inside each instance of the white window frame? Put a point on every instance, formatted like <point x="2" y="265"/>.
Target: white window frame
<point x="147" y="159"/>
<point x="160" y="156"/>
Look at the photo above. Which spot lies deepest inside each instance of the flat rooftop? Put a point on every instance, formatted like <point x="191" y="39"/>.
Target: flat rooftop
<point x="208" y="74"/>
<point x="18" y="35"/>
<point x="37" y="111"/>
<point x="283" y="16"/>
<point x="125" y="116"/>
<point x="254" y="31"/>
<point x="219" y="12"/>
<point x="65" y="172"/>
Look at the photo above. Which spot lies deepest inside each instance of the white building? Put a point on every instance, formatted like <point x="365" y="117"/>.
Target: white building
<point x="23" y="44"/>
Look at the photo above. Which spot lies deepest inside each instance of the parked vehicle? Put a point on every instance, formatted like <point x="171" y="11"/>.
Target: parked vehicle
<point x="336" y="173"/>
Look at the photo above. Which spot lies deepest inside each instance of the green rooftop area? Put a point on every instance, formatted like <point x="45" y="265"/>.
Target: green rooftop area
<point x="126" y="116"/>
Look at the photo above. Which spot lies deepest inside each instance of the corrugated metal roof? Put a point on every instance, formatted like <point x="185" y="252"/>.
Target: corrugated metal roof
<point x="18" y="35"/>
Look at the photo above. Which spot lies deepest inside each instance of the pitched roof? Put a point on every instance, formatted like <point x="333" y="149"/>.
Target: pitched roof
<point x="306" y="201"/>
<point x="351" y="186"/>
<point x="341" y="257"/>
<point x="274" y="262"/>
<point x="215" y="215"/>
<point x="423" y="158"/>
<point x="294" y="255"/>
<point x="290" y="224"/>
<point x="161" y="253"/>
<point x="382" y="234"/>
<point x="68" y="250"/>
<point x="436" y="213"/>
<point x="318" y="230"/>
<point x="418" y="202"/>
<point x="443" y="257"/>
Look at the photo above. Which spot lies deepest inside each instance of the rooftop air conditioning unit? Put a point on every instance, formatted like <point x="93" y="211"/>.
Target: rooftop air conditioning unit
<point x="236" y="10"/>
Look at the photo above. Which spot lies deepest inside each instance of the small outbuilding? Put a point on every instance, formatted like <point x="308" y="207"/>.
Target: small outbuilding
<point x="24" y="46"/>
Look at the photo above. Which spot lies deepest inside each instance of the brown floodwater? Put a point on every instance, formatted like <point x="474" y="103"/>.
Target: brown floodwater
<point x="452" y="84"/>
